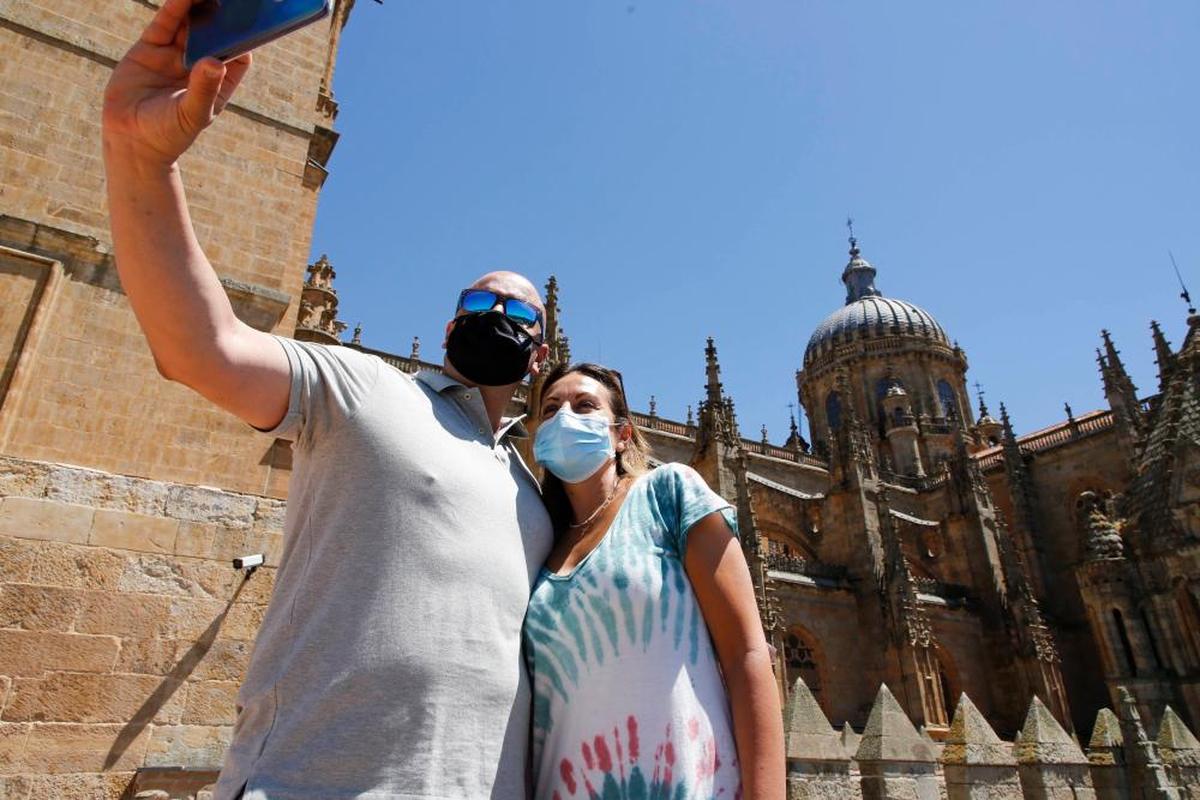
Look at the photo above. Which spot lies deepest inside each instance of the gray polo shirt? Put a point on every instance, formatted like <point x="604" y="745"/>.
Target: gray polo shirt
<point x="388" y="663"/>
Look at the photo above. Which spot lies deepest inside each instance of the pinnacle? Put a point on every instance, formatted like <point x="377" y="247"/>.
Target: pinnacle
<point x="808" y="732"/>
<point x="1177" y="744"/>
<point x="890" y="735"/>
<point x="972" y="741"/>
<point x="1043" y="740"/>
<point x="1107" y="731"/>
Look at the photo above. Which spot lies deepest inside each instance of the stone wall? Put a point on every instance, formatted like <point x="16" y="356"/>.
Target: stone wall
<point x="892" y="760"/>
<point x="124" y="629"/>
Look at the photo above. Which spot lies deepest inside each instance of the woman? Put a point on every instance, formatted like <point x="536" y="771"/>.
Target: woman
<point x="644" y="604"/>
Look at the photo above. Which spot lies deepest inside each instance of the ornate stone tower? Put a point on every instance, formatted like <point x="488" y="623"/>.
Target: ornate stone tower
<point x="904" y="377"/>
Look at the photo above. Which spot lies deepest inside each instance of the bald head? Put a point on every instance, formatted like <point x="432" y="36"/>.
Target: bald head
<point x="511" y="284"/>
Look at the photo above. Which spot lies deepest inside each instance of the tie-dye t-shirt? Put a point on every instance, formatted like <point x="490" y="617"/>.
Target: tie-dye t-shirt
<point x="628" y="698"/>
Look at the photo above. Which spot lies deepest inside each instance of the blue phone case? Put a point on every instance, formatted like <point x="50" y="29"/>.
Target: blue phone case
<point x="227" y="28"/>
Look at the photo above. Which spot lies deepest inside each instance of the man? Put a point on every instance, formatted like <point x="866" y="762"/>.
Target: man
<point x="388" y="663"/>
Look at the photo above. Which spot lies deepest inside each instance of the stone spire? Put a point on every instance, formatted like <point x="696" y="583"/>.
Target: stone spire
<point x="1024" y="498"/>
<point x="859" y="275"/>
<point x="317" y="318"/>
<point x="1122" y="399"/>
<point x="1163" y="356"/>
<point x="1116" y="378"/>
<point x="712" y="371"/>
<point x="555" y="336"/>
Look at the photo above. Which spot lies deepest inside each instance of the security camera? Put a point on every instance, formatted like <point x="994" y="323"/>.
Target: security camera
<point x="248" y="563"/>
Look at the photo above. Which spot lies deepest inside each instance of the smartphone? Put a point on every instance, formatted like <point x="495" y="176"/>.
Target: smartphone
<point x="225" y="29"/>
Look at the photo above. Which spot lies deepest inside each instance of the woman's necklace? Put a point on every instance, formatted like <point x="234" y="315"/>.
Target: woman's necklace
<point x="601" y="507"/>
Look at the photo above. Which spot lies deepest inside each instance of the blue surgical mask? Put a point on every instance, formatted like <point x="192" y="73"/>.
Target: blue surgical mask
<point x="573" y="446"/>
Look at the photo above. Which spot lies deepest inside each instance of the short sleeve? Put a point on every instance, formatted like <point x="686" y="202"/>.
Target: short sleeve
<point x="684" y="499"/>
<point x="329" y="384"/>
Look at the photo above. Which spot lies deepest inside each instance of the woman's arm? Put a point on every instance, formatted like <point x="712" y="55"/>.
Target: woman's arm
<point x="721" y="581"/>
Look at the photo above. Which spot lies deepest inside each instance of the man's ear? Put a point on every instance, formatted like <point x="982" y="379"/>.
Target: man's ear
<point x="446" y="336"/>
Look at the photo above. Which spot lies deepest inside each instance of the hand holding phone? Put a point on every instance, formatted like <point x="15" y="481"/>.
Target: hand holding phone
<point x="154" y="107"/>
<point x="225" y="29"/>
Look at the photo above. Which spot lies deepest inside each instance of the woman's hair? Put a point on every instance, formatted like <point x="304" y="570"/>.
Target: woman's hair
<point x="633" y="460"/>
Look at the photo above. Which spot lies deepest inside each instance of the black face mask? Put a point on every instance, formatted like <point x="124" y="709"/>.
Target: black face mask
<point x="489" y="349"/>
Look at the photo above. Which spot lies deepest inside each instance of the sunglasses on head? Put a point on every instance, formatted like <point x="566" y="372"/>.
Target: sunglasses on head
<point x="475" y="301"/>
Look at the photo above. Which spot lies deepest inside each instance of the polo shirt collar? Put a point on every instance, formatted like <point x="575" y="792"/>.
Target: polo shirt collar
<point x="440" y="382"/>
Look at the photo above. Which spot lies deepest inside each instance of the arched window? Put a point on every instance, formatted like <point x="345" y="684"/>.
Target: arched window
<point x="801" y="659"/>
<point x="833" y="411"/>
<point x="948" y="399"/>
<point x="1126" y="645"/>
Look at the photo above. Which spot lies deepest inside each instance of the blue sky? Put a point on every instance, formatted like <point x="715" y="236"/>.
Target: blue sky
<point x="686" y="168"/>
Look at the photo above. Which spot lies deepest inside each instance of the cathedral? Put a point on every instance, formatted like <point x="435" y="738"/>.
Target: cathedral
<point x="916" y="543"/>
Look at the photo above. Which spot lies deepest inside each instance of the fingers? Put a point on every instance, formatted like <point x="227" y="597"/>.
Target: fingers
<point x="198" y="106"/>
<point x="165" y="26"/>
<point x="235" y="70"/>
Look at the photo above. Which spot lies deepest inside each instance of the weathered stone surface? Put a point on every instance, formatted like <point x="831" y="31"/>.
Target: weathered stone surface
<point x="106" y="490"/>
<point x="16" y="559"/>
<point x="850" y="739"/>
<point x="137" y="615"/>
<point x="808" y="734"/>
<point x="167" y="576"/>
<point x="34" y="652"/>
<point x="77" y="567"/>
<point x="269" y="515"/>
<point x="108" y="786"/>
<point x="44" y="608"/>
<point x="148" y="656"/>
<point x="195" y="539"/>
<point x="27" y="518"/>
<point x="1105" y="745"/>
<point x="243" y="621"/>
<point x="204" y="504"/>
<point x="972" y="741"/>
<point x="211" y="703"/>
<point x="1177" y="745"/>
<point x="196" y="746"/>
<point x="86" y="697"/>
<point x="13" y="736"/>
<point x="889" y="734"/>
<point x="1043" y="741"/>
<point x="55" y="748"/>
<point x="21" y="478"/>
<point x="124" y="530"/>
<point x="15" y="787"/>
<point x="226" y="660"/>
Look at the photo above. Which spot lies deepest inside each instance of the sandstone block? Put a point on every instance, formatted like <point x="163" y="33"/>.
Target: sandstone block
<point x="191" y="618"/>
<point x="29" y="653"/>
<point x="149" y="656"/>
<point x="269" y="515"/>
<point x="27" y="518"/>
<point x="16" y="560"/>
<point x="85" y="697"/>
<point x="14" y="787"/>
<point x="77" y="567"/>
<point x="195" y="746"/>
<point x="170" y="576"/>
<point x="108" y="786"/>
<point x="123" y="530"/>
<point x="195" y="539"/>
<point x="137" y="615"/>
<point x="106" y="490"/>
<point x="56" y="748"/>
<point x="38" y="607"/>
<point x="211" y="703"/>
<point x="203" y="504"/>
<point x="243" y="621"/>
<point x="21" y="478"/>
<point x="226" y="660"/>
<point x="12" y="744"/>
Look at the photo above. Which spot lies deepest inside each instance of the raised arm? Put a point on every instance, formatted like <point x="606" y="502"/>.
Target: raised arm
<point x="153" y="112"/>
<point x="719" y="576"/>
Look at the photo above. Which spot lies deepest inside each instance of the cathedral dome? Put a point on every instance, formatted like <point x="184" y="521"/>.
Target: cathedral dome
<point x="868" y="314"/>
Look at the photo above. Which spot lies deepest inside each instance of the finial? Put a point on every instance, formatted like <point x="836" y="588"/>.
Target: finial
<point x="1187" y="298"/>
<point x="853" y="241"/>
<point x="416" y="349"/>
<point x="357" y="338"/>
<point x="983" y="409"/>
<point x="653" y="406"/>
<point x="795" y="429"/>
<point x="1070" y="414"/>
<point x="765" y="440"/>
<point x="691" y="420"/>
